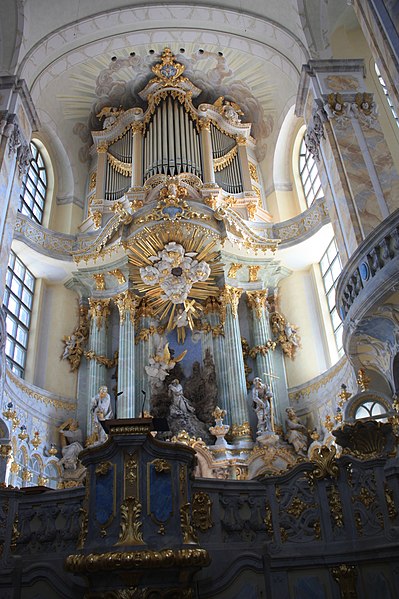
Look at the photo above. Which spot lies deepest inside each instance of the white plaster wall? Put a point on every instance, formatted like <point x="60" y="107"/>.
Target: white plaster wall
<point x="300" y="306"/>
<point x="58" y="317"/>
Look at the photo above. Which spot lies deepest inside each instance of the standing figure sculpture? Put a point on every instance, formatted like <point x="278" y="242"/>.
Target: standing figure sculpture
<point x="262" y="398"/>
<point x="101" y="410"/>
<point x="296" y="432"/>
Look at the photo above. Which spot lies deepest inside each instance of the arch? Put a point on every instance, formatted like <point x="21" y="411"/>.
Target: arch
<point x="351" y="408"/>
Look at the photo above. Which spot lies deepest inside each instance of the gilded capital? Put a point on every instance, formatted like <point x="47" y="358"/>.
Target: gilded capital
<point x="102" y="148"/>
<point x="126" y="302"/>
<point x="241" y="141"/>
<point x="137" y="127"/>
<point x="99" y="311"/>
<point x="229" y="296"/>
<point x="204" y="124"/>
<point x="257" y="301"/>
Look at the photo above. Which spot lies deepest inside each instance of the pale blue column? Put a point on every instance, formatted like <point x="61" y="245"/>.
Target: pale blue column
<point x="237" y="406"/>
<point x="144" y="349"/>
<point x="128" y="404"/>
<point x="268" y="363"/>
<point x="221" y="365"/>
<point x="98" y="313"/>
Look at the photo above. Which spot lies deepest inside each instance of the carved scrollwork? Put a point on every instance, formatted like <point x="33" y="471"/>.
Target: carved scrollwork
<point x="202" y="511"/>
<point x="130" y="533"/>
<point x="325" y="462"/>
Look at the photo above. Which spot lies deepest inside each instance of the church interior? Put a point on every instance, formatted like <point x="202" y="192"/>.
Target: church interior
<point x="199" y="332"/>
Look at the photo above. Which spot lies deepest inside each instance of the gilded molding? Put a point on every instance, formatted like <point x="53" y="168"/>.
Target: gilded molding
<point x="202" y="511"/>
<point x="188" y="532"/>
<point x="253" y="271"/>
<point x="257" y="301"/>
<point x="118" y="274"/>
<point x="253" y="172"/>
<point x="240" y="430"/>
<point x="325" y="462"/>
<point x="99" y="311"/>
<point x="130" y="533"/>
<point x="56" y="403"/>
<point x="229" y="296"/>
<point x="220" y="163"/>
<point x="127" y="302"/>
<point x="131" y="560"/>
<point x="123" y="168"/>
<point x="99" y="279"/>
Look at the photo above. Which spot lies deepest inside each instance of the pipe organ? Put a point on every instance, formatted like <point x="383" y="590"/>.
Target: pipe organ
<point x="171" y="142"/>
<point x="119" y="167"/>
<point x="171" y="137"/>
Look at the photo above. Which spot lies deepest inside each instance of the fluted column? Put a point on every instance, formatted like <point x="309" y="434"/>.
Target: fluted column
<point x="237" y="406"/>
<point x="144" y="349"/>
<point x="212" y="310"/>
<point x="137" y="157"/>
<point x="263" y="348"/>
<point x="128" y="404"/>
<point x="98" y="313"/>
<point x="207" y="155"/>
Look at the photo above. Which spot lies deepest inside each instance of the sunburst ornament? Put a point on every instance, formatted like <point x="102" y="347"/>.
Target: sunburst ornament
<point x="170" y="270"/>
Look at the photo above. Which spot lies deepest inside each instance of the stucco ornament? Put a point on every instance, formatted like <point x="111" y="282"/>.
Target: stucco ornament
<point x="175" y="271"/>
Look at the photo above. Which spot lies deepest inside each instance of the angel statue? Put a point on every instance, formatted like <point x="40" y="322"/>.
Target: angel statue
<point x="230" y="110"/>
<point x="161" y="364"/>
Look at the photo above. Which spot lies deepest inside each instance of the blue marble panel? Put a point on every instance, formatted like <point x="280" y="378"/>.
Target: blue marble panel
<point x="161" y="503"/>
<point x="104" y="497"/>
<point x="309" y="587"/>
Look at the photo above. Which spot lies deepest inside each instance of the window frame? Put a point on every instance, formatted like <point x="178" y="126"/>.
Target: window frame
<point x="309" y="175"/>
<point x="20" y="285"/>
<point x="327" y="266"/>
<point x="34" y="188"/>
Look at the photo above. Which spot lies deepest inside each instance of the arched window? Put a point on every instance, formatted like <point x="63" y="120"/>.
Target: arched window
<point x="330" y="267"/>
<point x="34" y="187"/>
<point x="370" y="409"/>
<point x="309" y="175"/>
<point x="384" y="87"/>
<point x="18" y="300"/>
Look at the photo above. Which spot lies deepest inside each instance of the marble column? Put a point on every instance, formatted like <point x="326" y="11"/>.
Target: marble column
<point x="212" y="309"/>
<point x="97" y="346"/>
<point x="144" y="349"/>
<point x="128" y="404"/>
<point x="345" y="138"/>
<point x="207" y="155"/>
<point x="268" y="361"/>
<point x="237" y="405"/>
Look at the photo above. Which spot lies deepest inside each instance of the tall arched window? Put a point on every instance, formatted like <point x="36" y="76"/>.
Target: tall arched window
<point x="34" y="187"/>
<point x="384" y="87"/>
<point x="309" y="175"/>
<point x="18" y="299"/>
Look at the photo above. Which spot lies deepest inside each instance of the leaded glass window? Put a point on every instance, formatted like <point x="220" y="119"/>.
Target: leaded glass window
<point x="34" y="187"/>
<point x="309" y="175"/>
<point x="18" y="300"/>
<point x="330" y="266"/>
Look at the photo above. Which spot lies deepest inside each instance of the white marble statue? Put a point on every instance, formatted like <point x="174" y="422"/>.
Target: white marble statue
<point x="101" y="410"/>
<point x="296" y="432"/>
<point x="70" y="452"/>
<point x="262" y="397"/>
<point x="180" y="404"/>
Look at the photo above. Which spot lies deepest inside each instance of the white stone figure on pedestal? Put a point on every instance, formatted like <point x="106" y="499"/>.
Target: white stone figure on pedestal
<point x="296" y="432"/>
<point x="71" y="451"/>
<point x="261" y="397"/>
<point x="101" y="410"/>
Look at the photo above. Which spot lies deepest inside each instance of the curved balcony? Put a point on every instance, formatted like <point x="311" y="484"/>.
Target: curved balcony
<point x="371" y="272"/>
<point x="63" y="247"/>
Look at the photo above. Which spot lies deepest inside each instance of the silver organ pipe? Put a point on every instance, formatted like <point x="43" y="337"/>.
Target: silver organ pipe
<point x="119" y="160"/>
<point x="171" y="136"/>
<point x="229" y="178"/>
<point x="171" y="142"/>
